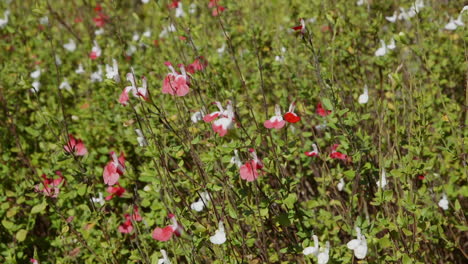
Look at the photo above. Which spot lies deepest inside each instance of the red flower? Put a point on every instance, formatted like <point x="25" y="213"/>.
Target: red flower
<point x="164" y="234"/>
<point x="338" y="155"/>
<point x="321" y="111"/>
<point x="114" y="169"/>
<point x="115" y="191"/>
<point x="75" y="146"/>
<point x="301" y="27"/>
<point x="421" y="177"/>
<point x="290" y="116"/>
<point x="127" y="226"/>
<point x="197" y="65"/>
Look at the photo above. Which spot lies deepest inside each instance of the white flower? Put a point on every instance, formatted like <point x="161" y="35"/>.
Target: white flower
<point x="197" y="116"/>
<point x="58" y="61"/>
<point x="97" y="75"/>
<point x="135" y="37"/>
<point x="392" y="45"/>
<point x="444" y="203"/>
<point x="201" y="203"/>
<point x="235" y="159"/>
<point x="359" y="245"/>
<point x="70" y="46"/>
<point x="192" y="8"/>
<point x="164" y="259"/>
<point x="220" y="235"/>
<point x="147" y="188"/>
<point x="99" y="199"/>
<point x="221" y="50"/>
<point x="382" y="182"/>
<point x="364" y="97"/>
<point x="112" y="72"/>
<point x="36" y="74"/>
<point x="131" y="50"/>
<point x="65" y="85"/>
<point x="99" y="32"/>
<point x="392" y="19"/>
<point x="147" y="33"/>
<point x="36" y="85"/>
<point x="323" y="256"/>
<point x="179" y="12"/>
<point x="361" y="2"/>
<point x="80" y="69"/>
<point x="340" y="185"/>
<point x="141" y="138"/>
<point x="312" y="250"/>
<point x="4" y="20"/>
<point x="167" y="30"/>
<point x="44" y="20"/>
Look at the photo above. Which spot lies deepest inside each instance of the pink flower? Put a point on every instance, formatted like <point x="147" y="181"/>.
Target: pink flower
<point x="115" y="191"/>
<point x="290" y="116"/>
<point x="218" y="10"/>
<point x="250" y="170"/>
<point x="338" y="155"/>
<point x="137" y="92"/>
<point x="213" y="3"/>
<point x="312" y="153"/>
<point x="127" y="226"/>
<point x="321" y="111"/>
<point x="175" y="83"/>
<point x="75" y="146"/>
<point x="164" y="234"/>
<point x="114" y="169"/>
<point x="33" y="261"/>
<point x="225" y="121"/>
<point x="174" y="4"/>
<point x="136" y="215"/>
<point x="197" y="65"/>
<point x="49" y="186"/>
<point x="276" y="121"/>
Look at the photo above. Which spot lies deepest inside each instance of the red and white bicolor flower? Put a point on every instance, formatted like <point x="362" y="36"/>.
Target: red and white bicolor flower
<point x="290" y="116"/>
<point x="164" y="234"/>
<point x="252" y="168"/>
<point x="312" y="153"/>
<point x="175" y="83"/>
<point x="95" y="51"/>
<point x="302" y="27"/>
<point x="75" y="146"/>
<point x="114" y="169"/>
<point x="225" y="119"/>
<point x="137" y="92"/>
<point x="275" y="121"/>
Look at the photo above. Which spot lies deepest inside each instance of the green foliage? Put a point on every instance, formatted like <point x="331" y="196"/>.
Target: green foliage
<point x="413" y="127"/>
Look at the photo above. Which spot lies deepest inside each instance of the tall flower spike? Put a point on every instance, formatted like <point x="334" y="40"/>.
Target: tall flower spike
<point x="220" y="235"/>
<point x="358" y="245"/>
<point x="276" y="121"/>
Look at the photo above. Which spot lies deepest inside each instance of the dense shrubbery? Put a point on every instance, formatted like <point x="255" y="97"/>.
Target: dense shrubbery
<point x="101" y="166"/>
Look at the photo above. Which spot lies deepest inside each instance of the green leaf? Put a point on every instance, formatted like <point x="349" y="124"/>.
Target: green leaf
<point x="21" y="235"/>
<point x="39" y="208"/>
